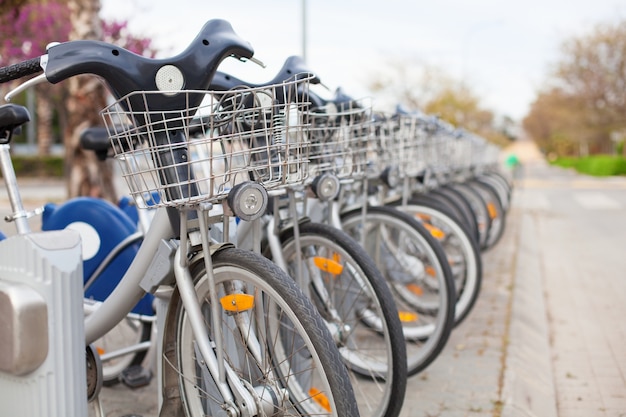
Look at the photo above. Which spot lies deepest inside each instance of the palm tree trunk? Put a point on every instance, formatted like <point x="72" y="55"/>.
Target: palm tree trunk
<point x="44" y="122"/>
<point x="87" y="96"/>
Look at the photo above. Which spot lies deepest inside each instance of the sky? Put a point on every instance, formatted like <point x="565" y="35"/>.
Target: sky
<point x="503" y="50"/>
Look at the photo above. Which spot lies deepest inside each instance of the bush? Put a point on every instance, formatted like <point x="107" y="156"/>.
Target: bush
<point x="38" y="166"/>
<point x="565" y="162"/>
<point x="596" y="165"/>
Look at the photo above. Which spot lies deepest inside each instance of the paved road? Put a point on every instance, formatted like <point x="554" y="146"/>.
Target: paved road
<point x="579" y="229"/>
<point x="547" y="336"/>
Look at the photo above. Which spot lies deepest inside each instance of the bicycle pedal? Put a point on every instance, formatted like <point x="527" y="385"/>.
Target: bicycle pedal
<point x="136" y="376"/>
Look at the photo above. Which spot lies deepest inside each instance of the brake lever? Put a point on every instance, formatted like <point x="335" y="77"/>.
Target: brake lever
<point x="25" y="85"/>
<point x="254" y="60"/>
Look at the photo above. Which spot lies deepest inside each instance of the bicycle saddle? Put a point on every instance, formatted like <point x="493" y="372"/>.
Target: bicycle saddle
<point x="12" y="116"/>
<point x="96" y="139"/>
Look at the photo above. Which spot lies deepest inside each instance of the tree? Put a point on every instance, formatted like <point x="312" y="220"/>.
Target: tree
<point x="26" y="32"/>
<point x="11" y="6"/>
<point x="27" y="29"/>
<point x="87" y="175"/>
<point x="433" y="91"/>
<point x="554" y="123"/>
<point x="583" y="102"/>
<point x="87" y="96"/>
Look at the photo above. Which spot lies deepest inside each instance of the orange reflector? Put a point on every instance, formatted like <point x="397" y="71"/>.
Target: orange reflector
<point x="423" y="217"/>
<point x="415" y="289"/>
<point x="328" y="265"/>
<point x="436" y="232"/>
<point x="320" y="398"/>
<point x="237" y="302"/>
<point x="407" y="316"/>
<point x="493" y="213"/>
<point x="99" y="350"/>
<point x="430" y="271"/>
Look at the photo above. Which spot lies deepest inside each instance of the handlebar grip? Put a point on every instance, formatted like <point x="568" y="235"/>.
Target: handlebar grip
<point x="21" y="69"/>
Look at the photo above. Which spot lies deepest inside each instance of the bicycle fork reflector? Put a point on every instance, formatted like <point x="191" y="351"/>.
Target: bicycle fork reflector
<point x="320" y="398"/>
<point x="331" y="266"/>
<point x="237" y="302"/>
<point x="491" y="208"/>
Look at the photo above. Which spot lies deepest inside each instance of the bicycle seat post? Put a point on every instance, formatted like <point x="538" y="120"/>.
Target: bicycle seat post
<point x="19" y="215"/>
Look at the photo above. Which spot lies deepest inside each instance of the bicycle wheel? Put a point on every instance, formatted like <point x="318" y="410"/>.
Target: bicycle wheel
<point x="460" y="205"/>
<point x="499" y="185"/>
<point x="356" y="303"/>
<point x="416" y="269"/>
<point x="130" y="334"/>
<point x="461" y="250"/>
<point x="501" y="179"/>
<point x="480" y="209"/>
<point x="497" y="215"/>
<point x="277" y="347"/>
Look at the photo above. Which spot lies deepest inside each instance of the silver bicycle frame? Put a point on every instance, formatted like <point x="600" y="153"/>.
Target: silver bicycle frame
<point x="128" y="292"/>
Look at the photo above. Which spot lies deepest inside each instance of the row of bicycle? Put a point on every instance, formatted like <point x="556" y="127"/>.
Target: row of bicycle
<point x="291" y="254"/>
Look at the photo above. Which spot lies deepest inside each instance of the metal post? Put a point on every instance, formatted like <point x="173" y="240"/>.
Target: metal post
<point x="304" y="30"/>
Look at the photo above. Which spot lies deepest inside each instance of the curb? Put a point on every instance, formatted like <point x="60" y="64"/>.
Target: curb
<point x="528" y="389"/>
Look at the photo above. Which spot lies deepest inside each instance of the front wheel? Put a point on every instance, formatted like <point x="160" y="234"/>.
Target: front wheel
<point x="358" y="307"/>
<point x="418" y="273"/>
<point x="275" y="344"/>
<point x="461" y="249"/>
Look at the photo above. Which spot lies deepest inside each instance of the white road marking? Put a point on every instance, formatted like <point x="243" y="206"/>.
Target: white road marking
<point x="593" y="200"/>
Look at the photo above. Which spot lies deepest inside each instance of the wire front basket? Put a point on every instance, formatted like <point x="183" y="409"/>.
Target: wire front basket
<point x="338" y="136"/>
<point x="398" y="142"/>
<point x="198" y="153"/>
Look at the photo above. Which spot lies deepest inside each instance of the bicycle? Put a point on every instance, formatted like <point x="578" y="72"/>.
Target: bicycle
<point x="334" y="271"/>
<point x="229" y="317"/>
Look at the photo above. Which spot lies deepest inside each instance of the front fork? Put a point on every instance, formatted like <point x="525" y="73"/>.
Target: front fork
<point x="312" y="279"/>
<point x="240" y="399"/>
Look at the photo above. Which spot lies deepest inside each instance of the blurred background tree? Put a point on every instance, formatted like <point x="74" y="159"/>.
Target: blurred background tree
<point x="582" y="108"/>
<point x="28" y="26"/>
<point x="430" y="89"/>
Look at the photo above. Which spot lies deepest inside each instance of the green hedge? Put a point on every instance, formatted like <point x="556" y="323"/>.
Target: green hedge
<point x="597" y="165"/>
<point x="38" y="166"/>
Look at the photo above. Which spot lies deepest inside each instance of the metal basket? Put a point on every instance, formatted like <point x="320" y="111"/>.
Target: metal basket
<point x="397" y="143"/>
<point x="338" y="136"/>
<point x="199" y="152"/>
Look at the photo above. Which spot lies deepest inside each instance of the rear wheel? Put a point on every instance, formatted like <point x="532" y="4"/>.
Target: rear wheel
<point x="131" y="335"/>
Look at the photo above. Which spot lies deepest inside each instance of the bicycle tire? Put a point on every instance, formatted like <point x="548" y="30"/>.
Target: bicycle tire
<point x="501" y="189"/>
<point x="375" y="350"/>
<point x="461" y="250"/>
<point x="421" y="280"/>
<point x="457" y="201"/>
<point x="503" y="180"/>
<point x="127" y="333"/>
<point x="279" y="308"/>
<point x="479" y="207"/>
<point x="497" y="215"/>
